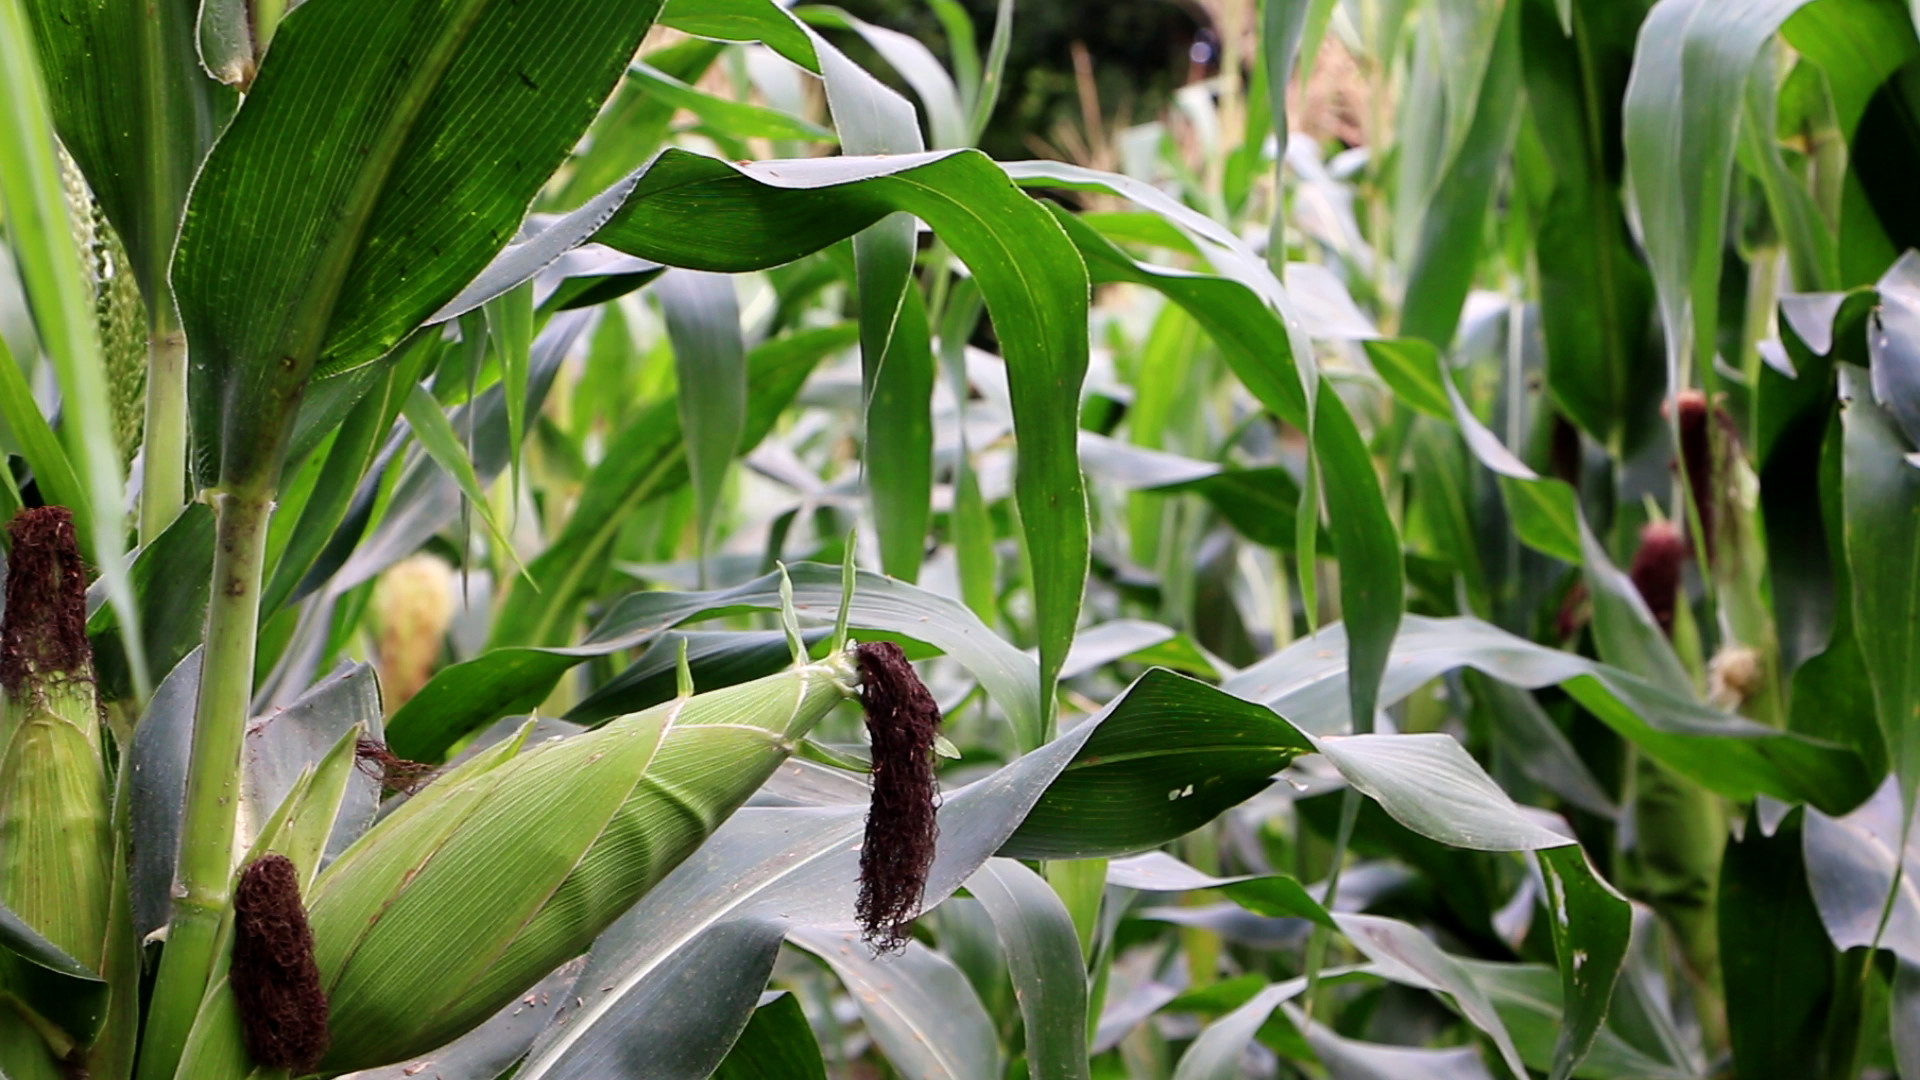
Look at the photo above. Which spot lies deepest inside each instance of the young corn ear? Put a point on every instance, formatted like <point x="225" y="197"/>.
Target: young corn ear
<point x="512" y="863"/>
<point x="56" y="847"/>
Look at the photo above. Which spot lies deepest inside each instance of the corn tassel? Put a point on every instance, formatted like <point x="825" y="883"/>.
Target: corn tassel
<point x="512" y="863"/>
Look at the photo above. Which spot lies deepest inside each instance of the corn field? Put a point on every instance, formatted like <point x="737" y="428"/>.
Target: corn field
<point x="605" y="539"/>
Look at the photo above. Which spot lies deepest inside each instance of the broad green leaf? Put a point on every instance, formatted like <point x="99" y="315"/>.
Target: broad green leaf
<point x="899" y="449"/>
<point x="1043" y="953"/>
<point x="336" y="214"/>
<point x="1864" y="885"/>
<point x="1430" y="784"/>
<point x="1774" y="993"/>
<point x="1596" y="304"/>
<point x="745" y="20"/>
<point x="1453" y="220"/>
<point x="1882" y="515"/>
<point x="1274" y="896"/>
<point x="1249" y="333"/>
<point x="777" y="1044"/>
<point x="1372" y="577"/>
<point x="710" y="358"/>
<point x="1260" y="503"/>
<point x="1681" y="113"/>
<point x="678" y="1025"/>
<point x="1216" y="1054"/>
<point x="1727" y="754"/>
<point x="643" y="462"/>
<point x="1185" y="752"/>
<point x="1591" y="925"/>
<point x="917" y="1006"/>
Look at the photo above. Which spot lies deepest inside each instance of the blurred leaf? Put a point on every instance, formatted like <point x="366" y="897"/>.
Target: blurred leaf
<point x="1452" y="222"/>
<point x="739" y="119"/>
<point x="1776" y="995"/>
<point x="939" y="98"/>
<point x="1372" y="577"/>
<point x="716" y="659"/>
<point x="776" y="1045"/>
<point x="643" y="462"/>
<point x="1727" y="754"/>
<point x="1043" y="952"/>
<point x="709" y="356"/>
<point x="157" y="792"/>
<point x="1405" y="955"/>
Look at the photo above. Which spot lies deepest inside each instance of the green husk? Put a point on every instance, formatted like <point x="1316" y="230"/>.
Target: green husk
<point x="512" y="863"/>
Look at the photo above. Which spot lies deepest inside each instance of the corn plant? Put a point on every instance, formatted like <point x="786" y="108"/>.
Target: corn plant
<point x="1401" y="564"/>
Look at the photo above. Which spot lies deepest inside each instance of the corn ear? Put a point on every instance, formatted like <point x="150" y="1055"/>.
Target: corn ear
<point x="56" y="830"/>
<point x="511" y="864"/>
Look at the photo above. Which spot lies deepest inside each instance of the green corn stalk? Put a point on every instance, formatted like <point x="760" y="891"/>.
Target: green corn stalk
<point x="513" y="862"/>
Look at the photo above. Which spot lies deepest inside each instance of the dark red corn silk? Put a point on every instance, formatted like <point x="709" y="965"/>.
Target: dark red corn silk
<point x="283" y="1010"/>
<point x="1695" y="424"/>
<point x="901" y="825"/>
<point x="1565" y="452"/>
<point x="1656" y="570"/>
<point x="395" y="773"/>
<point x="45" y="629"/>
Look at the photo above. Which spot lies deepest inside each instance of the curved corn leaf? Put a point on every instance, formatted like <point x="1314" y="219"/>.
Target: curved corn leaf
<point x="1735" y="757"/>
<point x="1043" y="952"/>
<point x="917" y="1006"/>
<point x="455" y="116"/>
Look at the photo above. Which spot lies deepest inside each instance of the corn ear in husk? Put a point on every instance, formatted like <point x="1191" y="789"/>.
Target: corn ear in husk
<point x="56" y="845"/>
<point x="512" y="863"/>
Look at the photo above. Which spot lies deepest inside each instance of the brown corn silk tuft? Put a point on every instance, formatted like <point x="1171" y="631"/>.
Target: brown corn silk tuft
<point x="45" y="631"/>
<point x="395" y="773"/>
<point x="1656" y="570"/>
<point x="1696" y="452"/>
<point x="902" y="719"/>
<point x="275" y="982"/>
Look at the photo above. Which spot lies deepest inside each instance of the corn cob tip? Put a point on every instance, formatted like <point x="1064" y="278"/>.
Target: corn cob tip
<point x="897" y="852"/>
<point x="44" y="632"/>
<point x="1656" y="570"/>
<point x="275" y="982"/>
